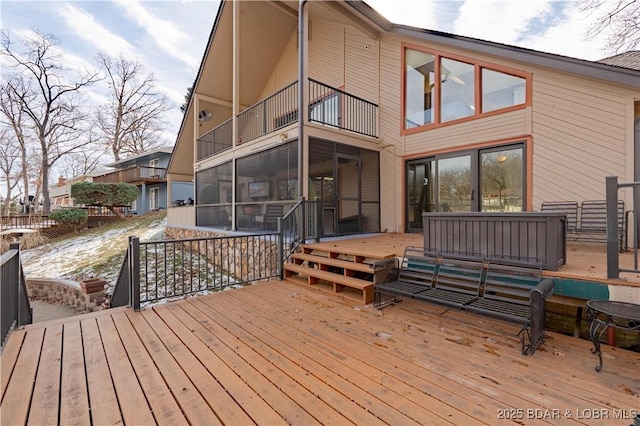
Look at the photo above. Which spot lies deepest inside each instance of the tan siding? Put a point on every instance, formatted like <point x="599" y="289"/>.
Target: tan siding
<point x="579" y="135"/>
<point x="286" y="71"/>
<point x="326" y="52"/>
<point x="361" y="65"/>
<point x="391" y="171"/>
<point x="488" y="129"/>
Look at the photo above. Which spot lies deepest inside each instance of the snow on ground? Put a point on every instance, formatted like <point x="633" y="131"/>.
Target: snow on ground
<point x="93" y="253"/>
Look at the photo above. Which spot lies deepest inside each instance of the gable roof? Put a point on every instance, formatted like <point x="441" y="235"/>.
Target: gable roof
<point x="602" y="70"/>
<point x="630" y="59"/>
<point x="161" y="150"/>
<point x="599" y="70"/>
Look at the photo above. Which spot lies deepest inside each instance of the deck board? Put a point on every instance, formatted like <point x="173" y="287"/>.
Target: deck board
<point x="9" y="358"/>
<point x="187" y="396"/>
<point x="279" y="353"/>
<point x="17" y="397"/>
<point x="102" y="395"/>
<point x="44" y="409"/>
<point x="164" y="407"/>
<point x="131" y="399"/>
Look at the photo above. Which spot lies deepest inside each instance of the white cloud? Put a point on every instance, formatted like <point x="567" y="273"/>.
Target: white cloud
<point x="568" y="37"/>
<point x="416" y="13"/>
<point x="501" y="21"/>
<point x="85" y="26"/>
<point x="165" y="34"/>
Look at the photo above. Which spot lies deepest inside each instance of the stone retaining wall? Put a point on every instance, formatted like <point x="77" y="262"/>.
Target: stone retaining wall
<point x="237" y="257"/>
<point x="64" y="291"/>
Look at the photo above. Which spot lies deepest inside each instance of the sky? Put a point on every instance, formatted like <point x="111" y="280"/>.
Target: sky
<point x="169" y="37"/>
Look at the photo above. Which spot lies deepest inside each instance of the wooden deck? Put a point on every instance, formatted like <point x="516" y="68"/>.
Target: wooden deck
<point x="277" y="353"/>
<point x="584" y="261"/>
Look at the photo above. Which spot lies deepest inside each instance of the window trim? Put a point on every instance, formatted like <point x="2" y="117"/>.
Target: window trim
<point x="478" y="66"/>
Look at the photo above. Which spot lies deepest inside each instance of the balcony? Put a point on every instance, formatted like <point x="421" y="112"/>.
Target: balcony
<point x="328" y="106"/>
<point x="134" y="175"/>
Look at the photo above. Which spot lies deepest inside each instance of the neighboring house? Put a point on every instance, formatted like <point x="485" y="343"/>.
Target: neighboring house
<point x="147" y="172"/>
<point x="60" y="193"/>
<point x="396" y="121"/>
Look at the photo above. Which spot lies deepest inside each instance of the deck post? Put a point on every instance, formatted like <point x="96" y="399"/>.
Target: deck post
<point x="613" y="262"/>
<point x="280" y="259"/>
<point x="135" y="273"/>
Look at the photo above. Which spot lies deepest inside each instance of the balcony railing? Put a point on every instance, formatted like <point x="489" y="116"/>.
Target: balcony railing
<point x="134" y="174"/>
<point x="328" y="106"/>
<point x="216" y="140"/>
<point x="273" y="113"/>
<point x="335" y="108"/>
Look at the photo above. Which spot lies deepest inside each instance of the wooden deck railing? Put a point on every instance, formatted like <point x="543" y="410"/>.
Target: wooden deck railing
<point x="134" y="174"/>
<point x="35" y="221"/>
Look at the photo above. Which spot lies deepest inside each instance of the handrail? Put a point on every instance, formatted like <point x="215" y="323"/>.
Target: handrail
<point x="270" y="114"/>
<point x="15" y="308"/>
<point x="155" y="270"/>
<point x="613" y="253"/>
<point x="334" y="107"/>
<point x="216" y="140"/>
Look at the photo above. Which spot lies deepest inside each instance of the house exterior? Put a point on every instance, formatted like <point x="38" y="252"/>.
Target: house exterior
<point x="395" y="121"/>
<point x="60" y="193"/>
<point x="147" y="171"/>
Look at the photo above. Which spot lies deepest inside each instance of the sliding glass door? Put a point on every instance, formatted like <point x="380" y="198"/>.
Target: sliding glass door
<point x="490" y="180"/>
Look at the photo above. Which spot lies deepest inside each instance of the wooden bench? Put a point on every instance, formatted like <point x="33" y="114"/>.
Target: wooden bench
<point x="509" y="290"/>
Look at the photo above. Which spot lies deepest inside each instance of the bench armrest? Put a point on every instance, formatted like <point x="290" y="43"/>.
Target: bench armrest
<point x="393" y="275"/>
<point x="544" y="288"/>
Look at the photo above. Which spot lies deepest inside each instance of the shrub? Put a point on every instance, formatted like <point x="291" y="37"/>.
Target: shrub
<point x="72" y="218"/>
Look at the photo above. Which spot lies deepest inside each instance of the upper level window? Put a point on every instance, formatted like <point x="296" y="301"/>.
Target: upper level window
<point x="500" y="90"/>
<point x="420" y="88"/>
<point x="463" y="89"/>
<point x="458" y="90"/>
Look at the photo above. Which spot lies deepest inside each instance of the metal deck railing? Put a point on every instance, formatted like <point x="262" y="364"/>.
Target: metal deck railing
<point x="613" y="225"/>
<point x="15" y="309"/>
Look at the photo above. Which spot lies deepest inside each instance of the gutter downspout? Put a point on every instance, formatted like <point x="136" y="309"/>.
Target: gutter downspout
<point x="301" y="96"/>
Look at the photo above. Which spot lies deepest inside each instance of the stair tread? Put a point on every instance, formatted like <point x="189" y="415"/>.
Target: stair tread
<point x="347" y="264"/>
<point x="330" y="247"/>
<point x="329" y="276"/>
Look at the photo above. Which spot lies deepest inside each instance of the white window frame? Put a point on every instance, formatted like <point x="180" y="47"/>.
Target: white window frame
<point x="153" y="198"/>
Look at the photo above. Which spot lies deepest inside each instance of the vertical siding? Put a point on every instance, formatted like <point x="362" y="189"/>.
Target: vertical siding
<point x="579" y="131"/>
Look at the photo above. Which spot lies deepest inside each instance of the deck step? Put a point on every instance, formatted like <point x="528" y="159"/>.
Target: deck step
<point x="338" y="263"/>
<point x="339" y="281"/>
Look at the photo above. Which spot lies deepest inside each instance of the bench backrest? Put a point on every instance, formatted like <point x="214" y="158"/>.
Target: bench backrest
<point x="570" y="208"/>
<point x="418" y="267"/>
<point x="511" y="281"/>
<point x="462" y="274"/>
<point x="593" y="216"/>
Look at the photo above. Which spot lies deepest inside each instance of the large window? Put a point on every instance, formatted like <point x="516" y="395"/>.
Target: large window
<point x="420" y="85"/>
<point x="458" y="90"/>
<point x="488" y="180"/>
<point x="463" y="89"/>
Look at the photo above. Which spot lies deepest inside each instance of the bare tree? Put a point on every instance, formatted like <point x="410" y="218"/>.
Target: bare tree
<point x="132" y="122"/>
<point x="52" y="103"/>
<point x="9" y="166"/>
<point x="622" y="17"/>
<point x="12" y="94"/>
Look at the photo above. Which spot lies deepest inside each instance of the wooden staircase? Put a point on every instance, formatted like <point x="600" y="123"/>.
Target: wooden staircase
<point x="349" y="272"/>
